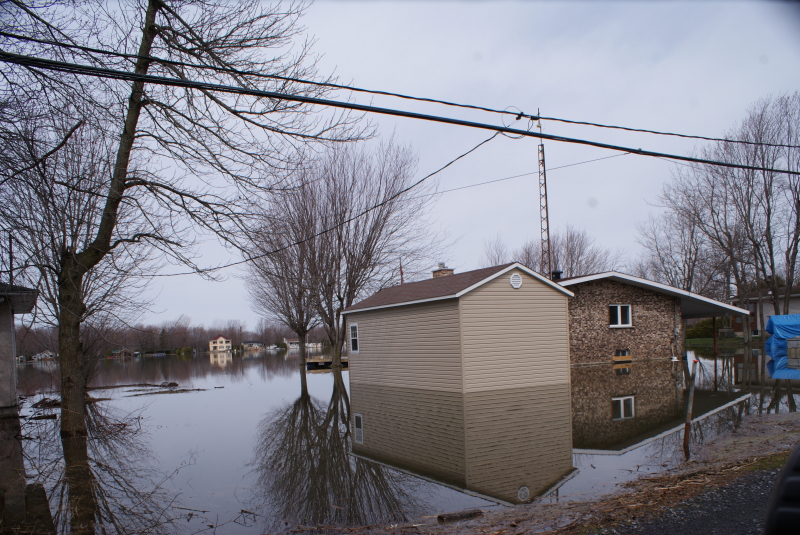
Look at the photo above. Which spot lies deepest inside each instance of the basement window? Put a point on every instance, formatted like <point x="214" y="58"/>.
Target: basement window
<point x="622" y="408"/>
<point x="358" y="428"/>
<point x="354" y="338"/>
<point x="619" y="316"/>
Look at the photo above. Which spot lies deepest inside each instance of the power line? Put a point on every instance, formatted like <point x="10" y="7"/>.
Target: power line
<point x="34" y="62"/>
<point x="518" y="115"/>
<point x="515" y="176"/>
<point x="351" y="219"/>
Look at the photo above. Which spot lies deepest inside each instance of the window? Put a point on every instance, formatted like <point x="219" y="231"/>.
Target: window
<point x="619" y="315"/>
<point x="622" y="408"/>
<point x="358" y="428"/>
<point x="354" y="338"/>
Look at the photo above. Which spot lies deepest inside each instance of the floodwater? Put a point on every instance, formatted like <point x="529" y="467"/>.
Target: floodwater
<point x="256" y="444"/>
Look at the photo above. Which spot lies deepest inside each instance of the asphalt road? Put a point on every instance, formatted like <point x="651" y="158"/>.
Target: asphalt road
<point x="736" y="509"/>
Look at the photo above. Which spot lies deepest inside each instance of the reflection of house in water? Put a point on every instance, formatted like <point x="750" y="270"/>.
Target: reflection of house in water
<point x="491" y="442"/>
<point x="220" y="358"/>
<point x="609" y="407"/>
<point x="624" y="331"/>
<point x="465" y="379"/>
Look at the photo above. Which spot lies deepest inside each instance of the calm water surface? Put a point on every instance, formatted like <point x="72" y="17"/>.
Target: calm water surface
<point x="247" y="445"/>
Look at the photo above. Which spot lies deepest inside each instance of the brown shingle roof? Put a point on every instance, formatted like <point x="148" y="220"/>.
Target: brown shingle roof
<point x="439" y="287"/>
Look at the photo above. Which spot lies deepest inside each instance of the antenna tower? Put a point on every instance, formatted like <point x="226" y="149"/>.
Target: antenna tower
<point x="546" y="260"/>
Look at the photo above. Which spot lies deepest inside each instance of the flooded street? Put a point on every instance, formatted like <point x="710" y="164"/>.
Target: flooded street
<point x="256" y="444"/>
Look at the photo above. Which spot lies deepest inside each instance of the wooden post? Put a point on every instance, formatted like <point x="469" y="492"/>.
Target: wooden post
<point x="714" y="333"/>
<point x="687" y="429"/>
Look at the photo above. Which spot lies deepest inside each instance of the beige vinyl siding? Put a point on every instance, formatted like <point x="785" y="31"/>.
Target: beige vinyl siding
<point x="418" y="430"/>
<point x="514" y="337"/>
<point x="413" y="346"/>
<point x="515" y="438"/>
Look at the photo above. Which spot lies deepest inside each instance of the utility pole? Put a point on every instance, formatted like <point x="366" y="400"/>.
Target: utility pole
<point x="546" y="260"/>
<point x="10" y="259"/>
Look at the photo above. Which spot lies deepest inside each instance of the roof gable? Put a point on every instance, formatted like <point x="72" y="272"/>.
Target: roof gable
<point x="449" y="287"/>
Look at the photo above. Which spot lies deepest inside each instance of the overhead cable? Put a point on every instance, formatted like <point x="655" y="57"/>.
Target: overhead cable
<point x="517" y="114"/>
<point x="34" y="62"/>
<point x="341" y="224"/>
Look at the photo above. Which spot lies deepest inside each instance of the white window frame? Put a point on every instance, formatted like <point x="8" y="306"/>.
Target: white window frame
<point x="358" y="430"/>
<point x="621" y="401"/>
<point x="350" y="338"/>
<point x="619" y="316"/>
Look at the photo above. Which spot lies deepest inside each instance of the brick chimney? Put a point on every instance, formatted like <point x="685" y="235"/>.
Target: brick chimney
<point x="442" y="271"/>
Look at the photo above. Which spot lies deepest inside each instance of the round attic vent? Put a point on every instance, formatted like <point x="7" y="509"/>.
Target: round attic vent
<point x="523" y="494"/>
<point x="516" y="280"/>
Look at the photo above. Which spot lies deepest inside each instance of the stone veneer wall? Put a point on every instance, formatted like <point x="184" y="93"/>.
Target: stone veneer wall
<point x="653" y="320"/>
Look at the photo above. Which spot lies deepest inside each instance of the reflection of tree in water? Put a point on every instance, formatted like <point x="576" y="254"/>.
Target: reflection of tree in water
<point x="305" y="474"/>
<point x="101" y="483"/>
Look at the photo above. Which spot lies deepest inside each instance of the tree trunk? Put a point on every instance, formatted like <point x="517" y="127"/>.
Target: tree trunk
<point x="341" y="336"/>
<point x="71" y="361"/>
<point x="302" y="340"/>
<point x="83" y="507"/>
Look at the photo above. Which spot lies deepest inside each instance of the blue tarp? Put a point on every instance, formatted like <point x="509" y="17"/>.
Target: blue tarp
<point x="781" y="328"/>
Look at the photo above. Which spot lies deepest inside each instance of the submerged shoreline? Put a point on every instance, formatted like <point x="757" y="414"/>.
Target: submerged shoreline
<point x="757" y="448"/>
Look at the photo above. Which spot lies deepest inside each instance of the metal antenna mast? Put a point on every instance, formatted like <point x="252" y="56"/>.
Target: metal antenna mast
<point x="546" y="260"/>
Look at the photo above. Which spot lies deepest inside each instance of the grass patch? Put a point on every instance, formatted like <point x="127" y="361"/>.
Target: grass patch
<point x="776" y="460"/>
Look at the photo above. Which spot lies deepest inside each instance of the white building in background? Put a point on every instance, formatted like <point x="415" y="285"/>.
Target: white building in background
<point x="220" y="343"/>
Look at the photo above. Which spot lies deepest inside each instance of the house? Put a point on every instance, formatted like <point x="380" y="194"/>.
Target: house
<point x="624" y="332"/>
<point x="464" y="378"/>
<point x="292" y="343"/>
<point x="767" y="302"/>
<point x="13" y="300"/>
<point x="122" y="353"/>
<point x="251" y="344"/>
<point x="220" y="343"/>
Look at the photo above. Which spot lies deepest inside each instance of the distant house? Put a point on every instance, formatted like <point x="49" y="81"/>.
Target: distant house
<point x="767" y="300"/>
<point x="122" y="353"/>
<point x="623" y="333"/>
<point x="220" y="343"/>
<point x="440" y="369"/>
<point x="292" y="343"/>
<point x="252" y="345"/>
<point x="44" y="355"/>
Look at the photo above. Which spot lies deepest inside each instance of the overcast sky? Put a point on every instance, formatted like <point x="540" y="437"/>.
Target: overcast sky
<point x="690" y="67"/>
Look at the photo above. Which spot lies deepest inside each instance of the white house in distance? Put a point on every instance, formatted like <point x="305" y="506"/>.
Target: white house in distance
<point x="220" y="343"/>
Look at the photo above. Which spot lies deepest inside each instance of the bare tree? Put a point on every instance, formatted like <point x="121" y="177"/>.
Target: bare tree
<point x="495" y="252"/>
<point x="347" y="227"/>
<point x="183" y="159"/>
<point x="678" y="253"/>
<point x="280" y="278"/>
<point x="574" y="252"/>
<point x="752" y="217"/>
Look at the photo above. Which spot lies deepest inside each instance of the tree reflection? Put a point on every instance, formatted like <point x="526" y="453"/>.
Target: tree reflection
<point x="101" y="483"/>
<point x="305" y="474"/>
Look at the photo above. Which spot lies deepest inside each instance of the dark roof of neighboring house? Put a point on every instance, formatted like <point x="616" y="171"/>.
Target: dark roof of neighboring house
<point x="12" y="288"/>
<point x="22" y="299"/>
<point x="445" y="287"/>
<point x="767" y="294"/>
